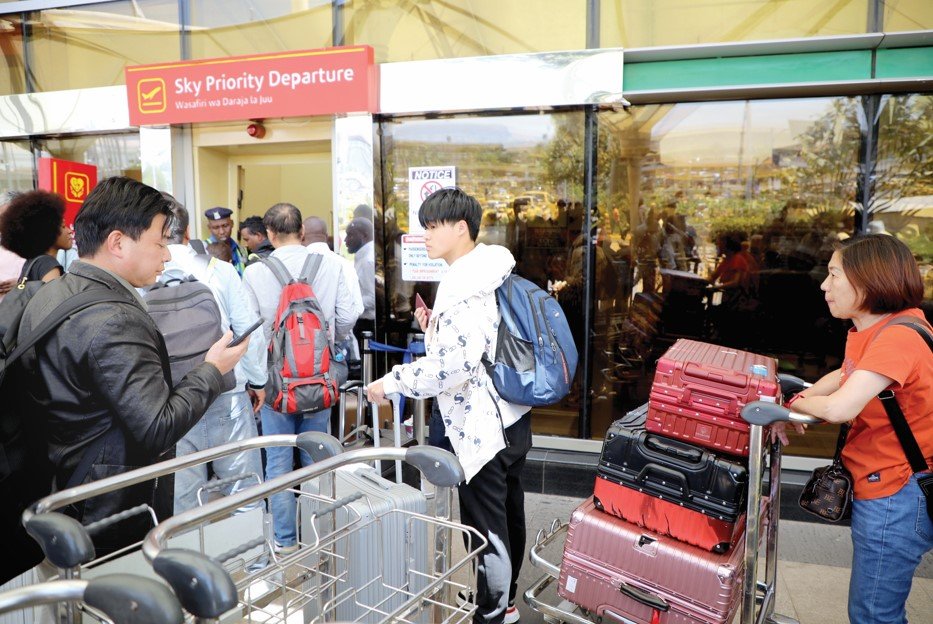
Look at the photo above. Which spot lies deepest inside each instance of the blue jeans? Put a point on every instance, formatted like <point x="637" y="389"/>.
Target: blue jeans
<point x="889" y="537"/>
<point x="228" y="419"/>
<point x="280" y="460"/>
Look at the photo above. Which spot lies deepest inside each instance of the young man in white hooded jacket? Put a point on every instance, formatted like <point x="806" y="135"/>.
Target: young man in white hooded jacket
<point x="490" y="436"/>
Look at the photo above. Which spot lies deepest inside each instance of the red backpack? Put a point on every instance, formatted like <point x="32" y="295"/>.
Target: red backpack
<point x="303" y="374"/>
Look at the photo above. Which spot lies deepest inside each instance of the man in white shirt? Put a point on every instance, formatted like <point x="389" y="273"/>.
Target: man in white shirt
<point x="340" y="308"/>
<point x="230" y="417"/>
<point x="359" y="241"/>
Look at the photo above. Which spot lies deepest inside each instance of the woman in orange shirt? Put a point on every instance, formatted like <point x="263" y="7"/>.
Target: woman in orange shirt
<point x="872" y="280"/>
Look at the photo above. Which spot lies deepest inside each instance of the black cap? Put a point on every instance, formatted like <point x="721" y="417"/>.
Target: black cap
<point x="217" y="213"/>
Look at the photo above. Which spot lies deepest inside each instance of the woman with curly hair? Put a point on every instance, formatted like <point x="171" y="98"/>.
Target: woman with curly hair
<point x="34" y="228"/>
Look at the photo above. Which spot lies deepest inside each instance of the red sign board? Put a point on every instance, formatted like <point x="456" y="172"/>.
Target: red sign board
<point x="283" y="84"/>
<point x="71" y="180"/>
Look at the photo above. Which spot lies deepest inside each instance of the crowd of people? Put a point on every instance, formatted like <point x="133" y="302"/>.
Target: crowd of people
<point x="102" y="383"/>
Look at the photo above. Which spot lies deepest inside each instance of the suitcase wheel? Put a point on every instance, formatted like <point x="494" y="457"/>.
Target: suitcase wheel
<point x="598" y="504"/>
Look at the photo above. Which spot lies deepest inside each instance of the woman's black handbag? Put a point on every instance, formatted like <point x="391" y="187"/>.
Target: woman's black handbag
<point x="828" y="492"/>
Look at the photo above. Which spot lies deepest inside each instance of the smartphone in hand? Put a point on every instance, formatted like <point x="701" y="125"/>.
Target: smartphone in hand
<point x="238" y="339"/>
<point x="421" y="305"/>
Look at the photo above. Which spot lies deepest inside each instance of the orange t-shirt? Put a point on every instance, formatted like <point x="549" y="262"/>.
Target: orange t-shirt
<point x="872" y="452"/>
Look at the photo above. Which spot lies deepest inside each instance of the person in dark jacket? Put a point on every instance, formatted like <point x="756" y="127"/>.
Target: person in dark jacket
<point x="253" y="235"/>
<point x="101" y="382"/>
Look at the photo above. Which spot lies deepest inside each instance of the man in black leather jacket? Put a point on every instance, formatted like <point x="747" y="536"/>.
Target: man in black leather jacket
<point x="101" y="381"/>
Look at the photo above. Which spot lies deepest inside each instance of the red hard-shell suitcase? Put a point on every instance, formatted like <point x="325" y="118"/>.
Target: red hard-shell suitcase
<point x="666" y="518"/>
<point x="616" y="570"/>
<point x="670" y="486"/>
<point x="700" y="389"/>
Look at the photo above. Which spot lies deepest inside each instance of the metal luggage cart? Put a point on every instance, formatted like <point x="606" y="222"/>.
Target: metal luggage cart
<point x="311" y="583"/>
<point x="49" y="527"/>
<point x="122" y="599"/>
<point x="758" y="598"/>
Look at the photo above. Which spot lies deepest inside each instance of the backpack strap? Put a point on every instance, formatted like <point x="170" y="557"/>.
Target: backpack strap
<point x="27" y="268"/>
<point x="278" y="270"/>
<point x="310" y="268"/>
<point x="65" y="309"/>
<point x="893" y="409"/>
<point x="198" y="245"/>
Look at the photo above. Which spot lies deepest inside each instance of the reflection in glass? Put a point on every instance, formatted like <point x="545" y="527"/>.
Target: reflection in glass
<point x="436" y="29"/>
<point x="527" y="173"/>
<point x="15" y="166"/>
<point x="638" y="24"/>
<point x="224" y="28"/>
<point x="903" y="200"/>
<point x="727" y="213"/>
<point x="113" y="154"/>
<point x="12" y="76"/>
<point x="89" y="45"/>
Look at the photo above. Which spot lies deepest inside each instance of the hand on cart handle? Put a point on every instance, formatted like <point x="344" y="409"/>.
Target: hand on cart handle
<point x="375" y="393"/>
<point x="763" y="413"/>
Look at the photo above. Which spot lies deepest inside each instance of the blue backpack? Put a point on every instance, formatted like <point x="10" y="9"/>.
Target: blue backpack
<point x="536" y="357"/>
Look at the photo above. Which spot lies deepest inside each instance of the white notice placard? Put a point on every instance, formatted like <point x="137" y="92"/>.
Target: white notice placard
<point x="422" y="181"/>
<point x="416" y="266"/>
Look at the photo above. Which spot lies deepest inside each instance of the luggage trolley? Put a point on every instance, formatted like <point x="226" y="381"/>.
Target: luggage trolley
<point x="312" y="583"/>
<point x="51" y="528"/>
<point x="123" y="599"/>
<point x="758" y="596"/>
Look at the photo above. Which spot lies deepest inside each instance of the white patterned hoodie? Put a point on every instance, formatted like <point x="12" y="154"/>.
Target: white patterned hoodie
<point x="463" y="327"/>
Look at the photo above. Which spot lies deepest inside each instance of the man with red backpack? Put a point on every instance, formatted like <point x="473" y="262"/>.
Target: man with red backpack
<point x="306" y="304"/>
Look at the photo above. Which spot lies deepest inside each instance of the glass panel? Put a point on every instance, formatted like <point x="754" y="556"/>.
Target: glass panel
<point x="12" y="76"/>
<point x="720" y="220"/>
<point x="16" y="167"/>
<point x="88" y="46"/>
<point x="637" y="24"/>
<point x="433" y="29"/>
<point x="223" y="28"/>
<point x="527" y="173"/>
<point x="903" y="202"/>
<point x="900" y="15"/>
<point x="114" y="154"/>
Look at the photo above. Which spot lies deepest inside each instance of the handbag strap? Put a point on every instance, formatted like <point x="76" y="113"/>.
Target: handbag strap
<point x="841" y="442"/>
<point x="893" y="409"/>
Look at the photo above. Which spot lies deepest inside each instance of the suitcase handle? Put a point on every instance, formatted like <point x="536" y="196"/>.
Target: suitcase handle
<point x="692" y="370"/>
<point x="646" y="598"/>
<point x="728" y="397"/>
<point x="690" y="454"/>
<point x="667" y="473"/>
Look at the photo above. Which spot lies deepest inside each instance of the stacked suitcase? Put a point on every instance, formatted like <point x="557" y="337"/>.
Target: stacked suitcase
<point x="662" y="539"/>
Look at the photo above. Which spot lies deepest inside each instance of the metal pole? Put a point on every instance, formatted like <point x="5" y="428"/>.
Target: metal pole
<point x="590" y="130"/>
<point x="753" y="525"/>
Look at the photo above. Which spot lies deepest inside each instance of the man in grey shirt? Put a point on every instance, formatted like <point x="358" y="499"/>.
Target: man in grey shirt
<point x="341" y="309"/>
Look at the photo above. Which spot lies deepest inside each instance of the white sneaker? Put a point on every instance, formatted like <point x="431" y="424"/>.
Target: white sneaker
<point x="511" y="615"/>
<point x="283" y="551"/>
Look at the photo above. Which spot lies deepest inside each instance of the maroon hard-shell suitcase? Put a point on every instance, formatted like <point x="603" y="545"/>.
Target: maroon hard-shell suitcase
<point x="621" y="572"/>
<point x="699" y="390"/>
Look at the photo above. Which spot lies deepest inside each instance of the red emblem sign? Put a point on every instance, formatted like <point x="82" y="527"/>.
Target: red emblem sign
<point x="72" y="180"/>
<point x="282" y="84"/>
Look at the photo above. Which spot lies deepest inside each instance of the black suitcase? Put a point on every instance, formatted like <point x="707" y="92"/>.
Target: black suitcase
<point x="670" y="486"/>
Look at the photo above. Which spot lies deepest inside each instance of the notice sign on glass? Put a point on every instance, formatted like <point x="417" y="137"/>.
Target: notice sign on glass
<point x="416" y="266"/>
<point x="422" y="181"/>
<point x="282" y="84"/>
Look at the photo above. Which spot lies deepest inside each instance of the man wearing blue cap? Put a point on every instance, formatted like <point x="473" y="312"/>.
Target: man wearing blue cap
<point x="220" y="223"/>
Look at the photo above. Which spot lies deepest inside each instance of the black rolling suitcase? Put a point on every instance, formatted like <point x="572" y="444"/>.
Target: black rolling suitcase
<point x="669" y="486"/>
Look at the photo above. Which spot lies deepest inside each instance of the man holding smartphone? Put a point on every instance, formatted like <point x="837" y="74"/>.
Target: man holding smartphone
<point x="230" y="417"/>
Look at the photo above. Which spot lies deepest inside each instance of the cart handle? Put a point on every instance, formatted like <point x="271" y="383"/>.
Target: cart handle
<point x="65" y="542"/>
<point x="318" y="445"/>
<point x="791" y="384"/>
<point x="203" y="587"/>
<point x="764" y="413"/>
<point x="124" y="598"/>
<point x="438" y="466"/>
